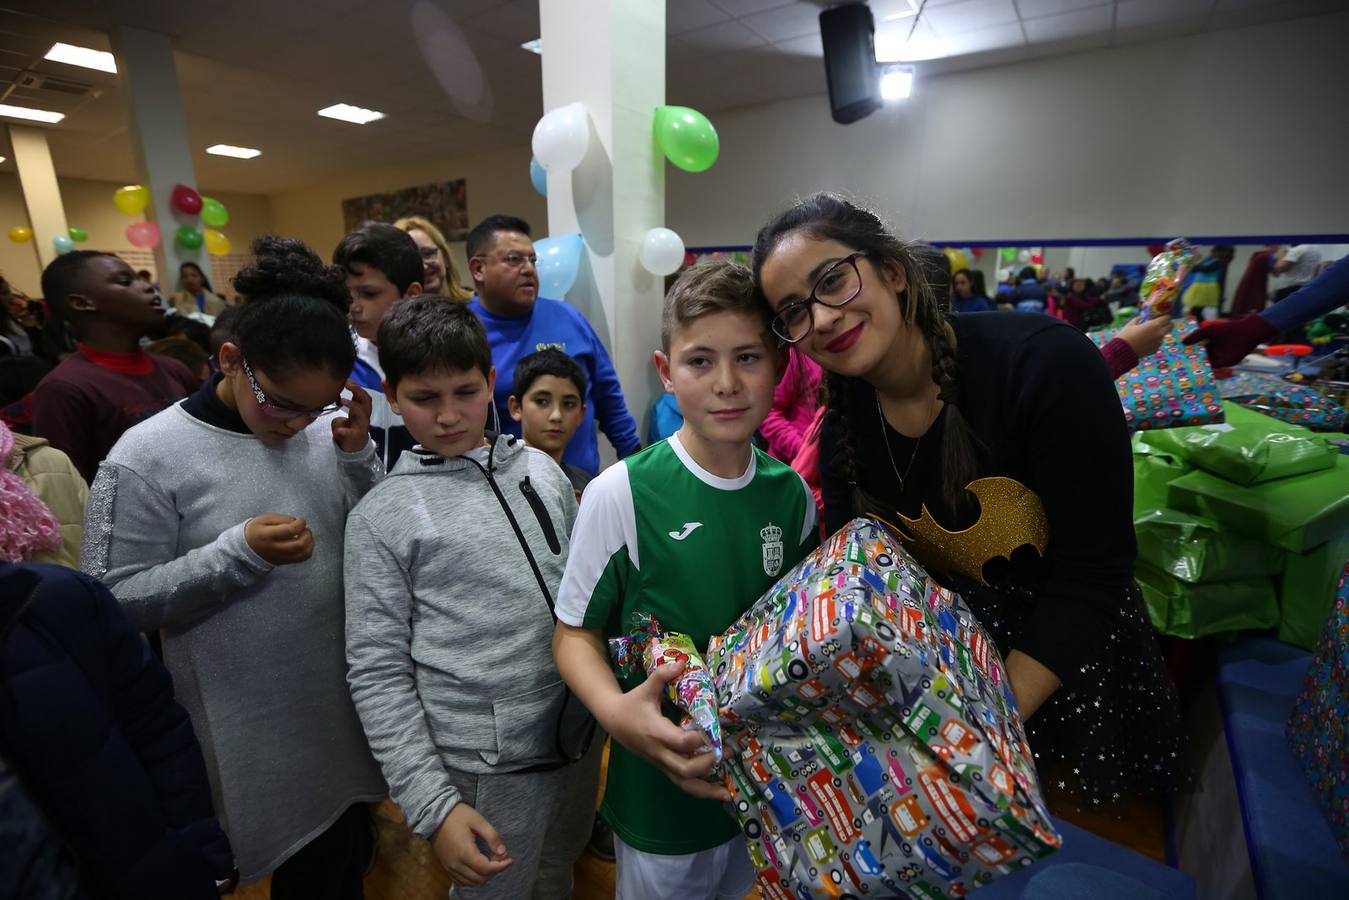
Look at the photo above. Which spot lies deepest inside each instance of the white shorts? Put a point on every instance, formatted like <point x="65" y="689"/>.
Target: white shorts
<point x="721" y="873"/>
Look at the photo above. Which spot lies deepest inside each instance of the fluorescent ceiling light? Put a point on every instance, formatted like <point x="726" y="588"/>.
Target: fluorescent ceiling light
<point x="82" y="56"/>
<point x="348" y="113"/>
<point x="896" y="82"/>
<point x="2" y="159"/>
<point x="534" y="46"/>
<point x="236" y="152"/>
<point x="36" y="115"/>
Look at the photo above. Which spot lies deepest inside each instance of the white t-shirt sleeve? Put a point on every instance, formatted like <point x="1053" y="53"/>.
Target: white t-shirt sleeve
<point x="603" y="544"/>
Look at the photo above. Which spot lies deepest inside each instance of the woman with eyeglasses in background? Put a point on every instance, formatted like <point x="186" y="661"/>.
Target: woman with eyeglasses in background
<point x="440" y="276"/>
<point x="221" y="522"/>
<point x="996" y="445"/>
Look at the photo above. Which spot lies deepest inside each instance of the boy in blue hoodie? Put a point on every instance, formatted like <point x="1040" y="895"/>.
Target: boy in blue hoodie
<point x="519" y="322"/>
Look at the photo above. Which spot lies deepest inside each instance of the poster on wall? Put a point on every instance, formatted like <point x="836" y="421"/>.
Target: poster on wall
<point x="445" y="204"/>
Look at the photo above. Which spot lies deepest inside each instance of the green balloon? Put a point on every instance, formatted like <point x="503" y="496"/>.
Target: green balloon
<point x="213" y="212"/>
<point x="1008" y="254"/>
<point x="78" y="234"/>
<point x="687" y="138"/>
<point x="188" y="237"/>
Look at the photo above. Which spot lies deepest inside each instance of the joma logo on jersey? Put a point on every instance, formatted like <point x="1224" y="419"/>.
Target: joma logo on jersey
<point x="772" y="549"/>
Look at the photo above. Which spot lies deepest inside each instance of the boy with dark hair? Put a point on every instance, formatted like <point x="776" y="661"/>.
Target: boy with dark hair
<point x="452" y="563"/>
<point x="549" y="404"/>
<point x="519" y="321"/>
<point x="83" y="405"/>
<point x="691" y="530"/>
<point x="383" y="266"/>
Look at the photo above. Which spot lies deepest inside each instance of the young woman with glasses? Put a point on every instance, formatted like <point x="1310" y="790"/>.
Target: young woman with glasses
<point x="221" y="522"/>
<point x="996" y="445"/>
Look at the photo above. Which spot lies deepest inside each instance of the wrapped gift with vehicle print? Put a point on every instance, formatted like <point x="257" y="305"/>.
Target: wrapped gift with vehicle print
<point x="872" y="745"/>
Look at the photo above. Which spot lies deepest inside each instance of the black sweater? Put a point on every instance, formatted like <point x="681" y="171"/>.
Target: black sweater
<point x="1039" y="397"/>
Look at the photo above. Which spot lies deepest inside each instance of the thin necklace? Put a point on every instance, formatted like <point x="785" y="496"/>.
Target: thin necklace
<point x="885" y="432"/>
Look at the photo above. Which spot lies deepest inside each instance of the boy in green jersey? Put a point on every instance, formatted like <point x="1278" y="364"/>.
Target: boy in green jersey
<point x="692" y="530"/>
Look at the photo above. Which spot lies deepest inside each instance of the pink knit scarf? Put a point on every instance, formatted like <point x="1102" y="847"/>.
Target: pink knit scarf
<point x="26" y="524"/>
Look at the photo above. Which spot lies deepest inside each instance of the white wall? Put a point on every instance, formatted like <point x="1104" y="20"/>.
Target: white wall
<point x="1227" y="133"/>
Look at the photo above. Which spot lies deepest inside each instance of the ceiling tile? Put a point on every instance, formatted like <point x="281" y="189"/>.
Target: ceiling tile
<point x="999" y="37"/>
<point x="746" y="7"/>
<point x="1034" y="9"/>
<point x="511" y="22"/>
<point x="686" y="15"/>
<point x="793" y="21"/>
<point x="890" y="10"/>
<point x="729" y="35"/>
<point x="970" y="15"/>
<point x="810" y="45"/>
<point x="1096" y="20"/>
<point x="1134" y="13"/>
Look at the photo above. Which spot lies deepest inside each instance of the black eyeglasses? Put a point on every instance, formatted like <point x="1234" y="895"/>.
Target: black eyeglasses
<point x="837" y="287"/>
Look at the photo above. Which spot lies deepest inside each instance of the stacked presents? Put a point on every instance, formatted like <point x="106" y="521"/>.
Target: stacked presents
<point x="1241" y="525"/>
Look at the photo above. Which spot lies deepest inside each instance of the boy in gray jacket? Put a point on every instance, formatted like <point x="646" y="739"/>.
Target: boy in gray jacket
<point x="451" y="567"/>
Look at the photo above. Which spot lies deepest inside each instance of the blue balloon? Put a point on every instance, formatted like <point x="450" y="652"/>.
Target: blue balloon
<point x="538" y="177"/>
<point x="559" y="261"/>
<point x="62" y="243"/>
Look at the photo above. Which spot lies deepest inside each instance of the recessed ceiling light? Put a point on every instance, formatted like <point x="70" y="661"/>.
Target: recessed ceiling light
<point x="82" y="56"/>
<point x="2" y="159"/>
<point x="896" y="82"/>
<point x="348" y="113"/>
<point x="236" y="152"/>
<point x="534" y="46"/>
<point x="36" y="115"/>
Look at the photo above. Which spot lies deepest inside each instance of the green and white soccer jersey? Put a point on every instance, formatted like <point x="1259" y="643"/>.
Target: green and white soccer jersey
<point x="660" y="534"/>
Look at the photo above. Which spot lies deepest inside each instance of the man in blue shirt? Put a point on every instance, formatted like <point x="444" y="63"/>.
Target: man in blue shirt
<point x="502" y="262"/>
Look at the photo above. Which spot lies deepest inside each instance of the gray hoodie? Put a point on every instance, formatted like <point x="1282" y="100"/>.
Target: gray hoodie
<point x="449" y="636"/>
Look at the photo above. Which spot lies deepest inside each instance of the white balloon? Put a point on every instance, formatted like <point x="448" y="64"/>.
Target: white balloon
<point x="562" y="137"/>
<point x="662" y="251"/>
<point x="1023" y="256"/>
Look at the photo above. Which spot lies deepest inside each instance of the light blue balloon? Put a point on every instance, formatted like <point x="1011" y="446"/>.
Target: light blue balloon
<point x="538" y="177"/>
<point x="62" y="243"/>
<point x="559" y="261"/>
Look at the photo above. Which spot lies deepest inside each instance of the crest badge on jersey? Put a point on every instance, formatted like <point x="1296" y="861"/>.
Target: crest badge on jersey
<point x="772" y="549"/>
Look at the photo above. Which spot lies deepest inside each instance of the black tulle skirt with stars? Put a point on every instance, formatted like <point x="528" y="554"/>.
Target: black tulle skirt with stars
<point x="1117" y="732"/>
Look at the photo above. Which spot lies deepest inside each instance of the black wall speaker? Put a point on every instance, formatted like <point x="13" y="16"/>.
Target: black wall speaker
<point x="850" y="62"/>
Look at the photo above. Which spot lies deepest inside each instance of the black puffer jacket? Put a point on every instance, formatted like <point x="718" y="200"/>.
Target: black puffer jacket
<point x="89" y="724"/>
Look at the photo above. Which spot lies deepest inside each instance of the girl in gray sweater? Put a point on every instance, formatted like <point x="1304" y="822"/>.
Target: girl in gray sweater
<point x="220" y="522"/>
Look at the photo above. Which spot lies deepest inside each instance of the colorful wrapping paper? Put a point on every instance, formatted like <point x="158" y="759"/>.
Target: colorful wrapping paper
<point x="1172" y="387"/>
<point x="1298" y="513"/>
<point x="1283" y="400"/>
<point x="873" y="747"/>
<point x="1318" y="729"/>
<point x="647" y="647"/>
<point x="1250" y="448"/>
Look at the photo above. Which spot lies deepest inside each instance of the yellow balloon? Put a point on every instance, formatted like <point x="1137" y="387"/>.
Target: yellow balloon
<point x="131" y="199"/>
<point x="20" y="233"/>
<point x="216" y="243"/>
<point x="958" y="259"/>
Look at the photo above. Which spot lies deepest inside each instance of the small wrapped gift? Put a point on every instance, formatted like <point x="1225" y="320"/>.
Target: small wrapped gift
<point x="1171" y="388"/>
<point x="1186" y="610"/>
<point x="873" y="747"/>
<point x="1250" y="448"/>
<point x="1283" y="400"/>
<point x="647" y="647"/>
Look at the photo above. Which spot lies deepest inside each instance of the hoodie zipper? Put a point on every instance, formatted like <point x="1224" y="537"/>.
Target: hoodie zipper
<point x="541" y="513"/>
<point x="515" y="526"/>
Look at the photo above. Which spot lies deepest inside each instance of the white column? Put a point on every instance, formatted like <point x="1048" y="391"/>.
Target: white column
<point x="149" y="81"/>
<point x="610" y="56"/>
<point x="41" y="194"/>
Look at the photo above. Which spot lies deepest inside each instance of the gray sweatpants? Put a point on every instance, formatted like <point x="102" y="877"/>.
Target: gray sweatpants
<point x="544" y="819"/>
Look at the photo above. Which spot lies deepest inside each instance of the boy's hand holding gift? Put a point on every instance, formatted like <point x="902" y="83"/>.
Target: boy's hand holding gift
<point x="456" y="846"/>
<point x="675" y="670"/>
<point x="352" y="432"/>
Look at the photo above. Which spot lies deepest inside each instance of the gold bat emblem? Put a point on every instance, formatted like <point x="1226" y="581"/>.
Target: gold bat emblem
<point x="1011" y="515"/>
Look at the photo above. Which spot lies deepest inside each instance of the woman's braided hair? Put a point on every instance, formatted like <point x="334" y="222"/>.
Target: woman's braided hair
<point x="831" y="217"/>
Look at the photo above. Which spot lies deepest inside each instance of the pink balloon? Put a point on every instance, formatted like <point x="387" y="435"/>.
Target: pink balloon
<point x="143" y="234"/>
<point x="186" y="200"/>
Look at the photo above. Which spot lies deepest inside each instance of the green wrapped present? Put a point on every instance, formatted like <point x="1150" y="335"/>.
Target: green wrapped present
<point x="1154" y="470"/>
<point x="1307" y="591"/>
<point x="1297" y="513"/>
<point x="1198" y="610"/>
<point x="1249" y="448"/>
<point x="1195" y="551"/>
